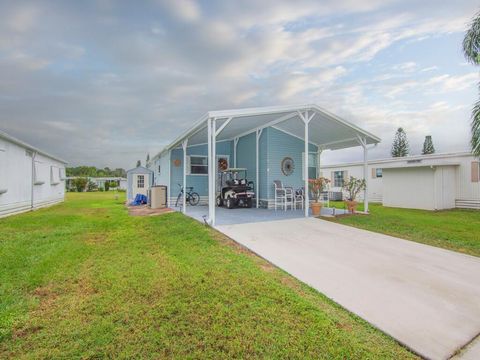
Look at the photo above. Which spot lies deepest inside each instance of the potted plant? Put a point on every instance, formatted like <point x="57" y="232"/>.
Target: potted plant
<point x="316" y="186"/>
<point x="352" y="188"/>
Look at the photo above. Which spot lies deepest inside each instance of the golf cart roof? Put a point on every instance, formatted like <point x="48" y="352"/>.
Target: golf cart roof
<point x="234" y="169"/>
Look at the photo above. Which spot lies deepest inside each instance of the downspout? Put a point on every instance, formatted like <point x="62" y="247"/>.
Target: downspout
<point x="34" y="154"/>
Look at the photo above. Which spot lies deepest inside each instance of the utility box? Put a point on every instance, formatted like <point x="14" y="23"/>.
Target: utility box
<point x="158" y="196"/>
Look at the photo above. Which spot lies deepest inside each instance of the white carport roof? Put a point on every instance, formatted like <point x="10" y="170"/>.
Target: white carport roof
<point x="326" y="130"/>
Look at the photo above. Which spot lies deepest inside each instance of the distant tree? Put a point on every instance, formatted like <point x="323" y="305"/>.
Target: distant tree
<point x="471" y="50"/>
<point x="428" y="147"/>
<point x="80" y="183"/>
<point x="400" y="144"/>
<point x="139" y="163"/>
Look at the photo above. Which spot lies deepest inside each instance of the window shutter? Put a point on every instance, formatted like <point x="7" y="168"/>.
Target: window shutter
<point x="189" y="168"/>
<point x="374" y="173"/>
<point x="3" y="170"/>
<point x="332" y="177"/>
<point x="345" y="175"/>
<point x="475" y="171"/>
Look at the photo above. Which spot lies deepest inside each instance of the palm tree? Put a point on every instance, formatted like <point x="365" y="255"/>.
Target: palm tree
<point x="471" y="50"/>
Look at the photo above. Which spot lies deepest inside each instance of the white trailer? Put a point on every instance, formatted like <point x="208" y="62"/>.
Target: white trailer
<point x="29" y="178"/>
<point x="434" y="182"/>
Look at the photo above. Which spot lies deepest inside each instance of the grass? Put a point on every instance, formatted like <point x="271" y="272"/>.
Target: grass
<point x="85" y="280"/>
<point x="457" y="229"/>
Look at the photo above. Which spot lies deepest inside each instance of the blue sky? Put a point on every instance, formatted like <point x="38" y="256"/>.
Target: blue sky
<point x="105" y="82"/>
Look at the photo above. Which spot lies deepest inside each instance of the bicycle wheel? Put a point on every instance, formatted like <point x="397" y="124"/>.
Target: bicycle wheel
<point x="194" y="198"/>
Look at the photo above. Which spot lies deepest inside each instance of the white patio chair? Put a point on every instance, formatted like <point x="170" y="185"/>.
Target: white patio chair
<point x="284" y="196"/>
<point x="298" y="199"/>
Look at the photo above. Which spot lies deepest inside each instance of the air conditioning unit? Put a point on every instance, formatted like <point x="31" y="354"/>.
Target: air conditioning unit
<point x="158" y="196"/>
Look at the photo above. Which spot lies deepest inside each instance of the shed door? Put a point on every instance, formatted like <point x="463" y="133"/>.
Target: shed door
<point x="140" y="184"/>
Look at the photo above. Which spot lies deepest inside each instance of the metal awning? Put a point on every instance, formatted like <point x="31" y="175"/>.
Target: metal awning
<point x="328" y="131"/>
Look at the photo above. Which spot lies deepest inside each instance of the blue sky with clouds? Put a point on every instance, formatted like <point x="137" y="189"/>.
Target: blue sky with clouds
<point x="105" y="82"/>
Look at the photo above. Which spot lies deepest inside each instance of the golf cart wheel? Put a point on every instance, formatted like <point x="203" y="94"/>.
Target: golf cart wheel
<point x="219" y="201"/>
<point x="194" y="199"/>
<point x="249" y="203"/>
<point x="230" y="203"/>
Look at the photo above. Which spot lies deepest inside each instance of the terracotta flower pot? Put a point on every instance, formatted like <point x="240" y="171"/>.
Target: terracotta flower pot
<point x="351" y="206"/>
<point x="316" y="208"/>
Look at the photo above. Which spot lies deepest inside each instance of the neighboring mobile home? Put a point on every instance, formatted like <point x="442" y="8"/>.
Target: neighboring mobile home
<point x="273" y="143"/>
<point x="430" y="182"/>
<point x="29" y="178"/>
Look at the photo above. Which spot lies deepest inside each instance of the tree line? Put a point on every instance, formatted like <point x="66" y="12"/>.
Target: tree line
<point x="92" y="171"/>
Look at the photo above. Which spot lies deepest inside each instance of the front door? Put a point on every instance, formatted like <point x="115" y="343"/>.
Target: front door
<point x="140" y="184"/>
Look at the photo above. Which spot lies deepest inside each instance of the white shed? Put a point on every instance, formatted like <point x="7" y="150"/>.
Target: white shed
<point x="420" y="186"/>
<point x="139" y="180"/>
<point x="29" y="178"/>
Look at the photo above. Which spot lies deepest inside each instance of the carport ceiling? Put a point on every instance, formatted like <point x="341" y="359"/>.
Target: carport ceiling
<point x="326" y="130"/>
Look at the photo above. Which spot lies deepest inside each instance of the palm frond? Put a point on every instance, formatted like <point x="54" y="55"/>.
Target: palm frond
<point x="471" y="42"/>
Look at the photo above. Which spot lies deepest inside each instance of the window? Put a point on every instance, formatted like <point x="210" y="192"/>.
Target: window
<point x="54" y="175"/>
<point x="338" y="178"/>
<point x="312" y="165"/>
<point x="378" y="172"/>
<point x="38" y="175"/>
<point x="198" y="165"/>
<point x="61" y="173"/>
<point x="140" y="181"/>
<point x="475" y="174"/>
<point x="3" y="169"/>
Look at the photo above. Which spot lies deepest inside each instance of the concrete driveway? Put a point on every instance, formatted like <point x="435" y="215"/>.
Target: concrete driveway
<point x="425" y="297"/>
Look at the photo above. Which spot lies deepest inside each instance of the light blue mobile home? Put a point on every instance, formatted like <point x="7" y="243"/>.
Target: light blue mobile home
<point x="262" y="140"/>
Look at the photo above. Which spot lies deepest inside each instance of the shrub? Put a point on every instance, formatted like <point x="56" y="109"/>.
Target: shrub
<point x="353" y="186"/>
<point x="80" y="184"/>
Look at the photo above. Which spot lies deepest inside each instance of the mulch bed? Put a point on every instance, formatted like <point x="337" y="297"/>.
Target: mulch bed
<point x="144" y="210"/>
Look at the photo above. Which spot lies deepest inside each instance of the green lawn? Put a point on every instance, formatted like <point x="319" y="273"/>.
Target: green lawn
<point x="85" y="280"/>
<point x="457" y="229"/>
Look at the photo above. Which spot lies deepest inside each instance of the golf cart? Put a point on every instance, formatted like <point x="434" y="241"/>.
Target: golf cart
<point x="235" y="189"/>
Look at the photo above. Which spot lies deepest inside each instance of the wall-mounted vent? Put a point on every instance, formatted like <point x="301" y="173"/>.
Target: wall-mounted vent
<point x="414" y="161"/>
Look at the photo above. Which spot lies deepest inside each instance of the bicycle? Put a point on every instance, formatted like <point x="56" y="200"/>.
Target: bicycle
<point x="192" y="197"/>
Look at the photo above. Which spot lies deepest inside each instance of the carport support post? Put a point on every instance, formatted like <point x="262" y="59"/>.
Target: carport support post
<point x="235" y="143"/>
<point x="211" y="205"/>
<point x="184" y="200"/>
<point x="258" y="133"/>
<point x="363" y="142"/>
<point x="306" y="120"/>
<point x="305" y="165"/>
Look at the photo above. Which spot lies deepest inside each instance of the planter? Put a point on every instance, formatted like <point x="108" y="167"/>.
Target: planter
<point x="316" y="208"/>
<point x="351" y="206"/>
